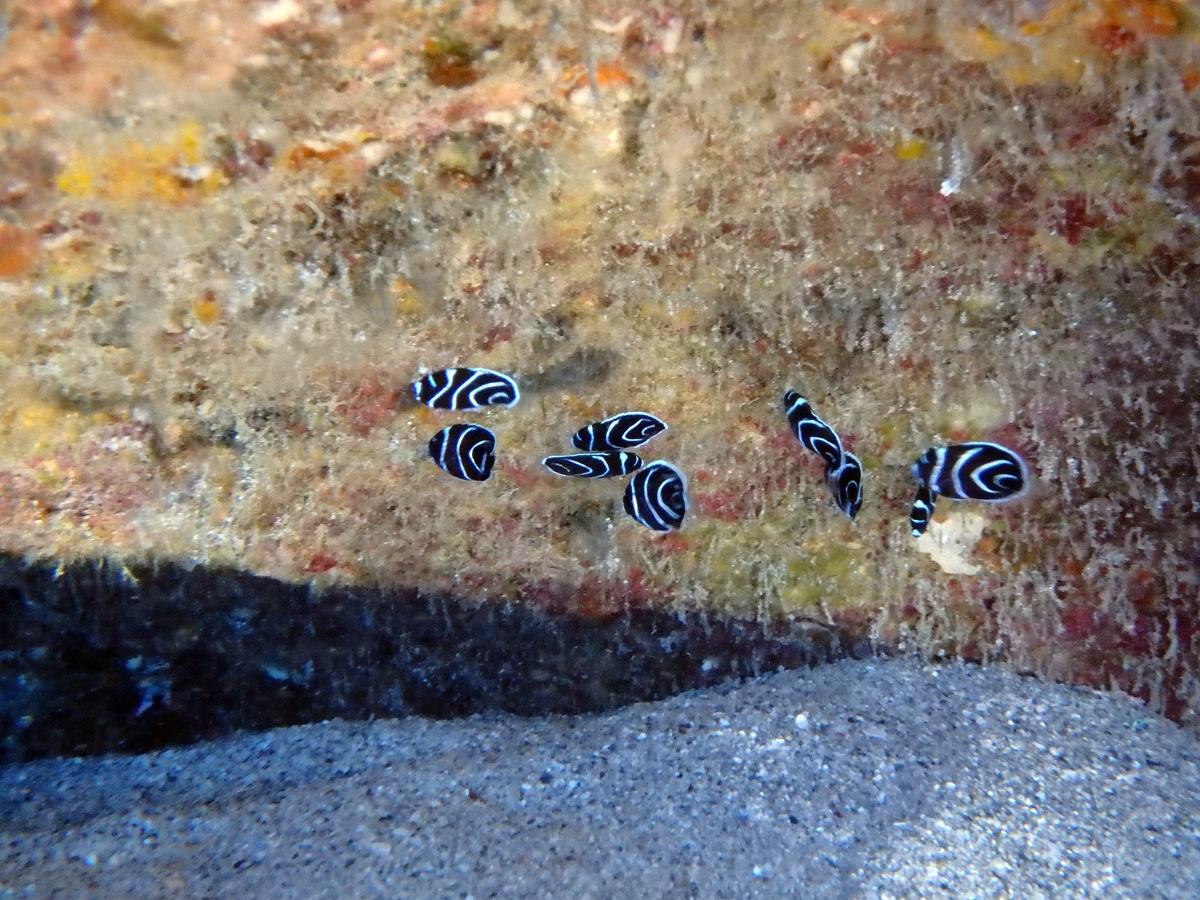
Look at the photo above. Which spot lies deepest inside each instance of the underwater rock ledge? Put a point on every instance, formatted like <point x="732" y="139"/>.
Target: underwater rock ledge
<point x="95" y="658"/>
<point x="230" y="242"/>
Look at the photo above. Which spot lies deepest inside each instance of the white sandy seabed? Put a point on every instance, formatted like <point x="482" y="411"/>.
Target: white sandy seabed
<point x="857" y="779"/>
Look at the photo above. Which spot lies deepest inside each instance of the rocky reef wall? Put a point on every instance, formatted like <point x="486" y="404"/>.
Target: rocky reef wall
<point x="231" y="234"/>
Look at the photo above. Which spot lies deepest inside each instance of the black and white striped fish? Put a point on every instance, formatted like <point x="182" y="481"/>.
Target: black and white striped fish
<point x="602" y="464"/>
<point x="465" y="389"/>
<point x="846" y="484"/>
<point x="656" y="496"/>
<point x="922" y="510"/>
<point x="812" y="431"/>
<point x="974" y="471"/>
<point x="619" y="432"/>
<point x="465" y="451"/>
<point x="978" y="470"/>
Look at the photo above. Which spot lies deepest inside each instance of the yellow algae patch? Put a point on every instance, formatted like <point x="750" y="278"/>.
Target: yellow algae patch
<point x="1070" y="38"/>
<point x="979" y="44"/>
<point x="125" y="16"/>
<point x="78" y="179"/>
<point x="38" y="426"/>
<point x="173" y="171"/>
<point x="206" y="310"/>
<point x="909" y="150"/>
<point x="1056" y="58"/>
<point x="827" y="573"/>
<point x="821" y="574"/>
<point x="407" y="300"/>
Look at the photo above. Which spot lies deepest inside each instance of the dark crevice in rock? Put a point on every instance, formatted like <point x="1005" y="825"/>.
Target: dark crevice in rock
<point x="97" y="658"/>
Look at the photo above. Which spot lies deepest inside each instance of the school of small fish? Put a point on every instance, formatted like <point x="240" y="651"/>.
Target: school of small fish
<point x="466" y="451"/>
<point x="656" y="494"/>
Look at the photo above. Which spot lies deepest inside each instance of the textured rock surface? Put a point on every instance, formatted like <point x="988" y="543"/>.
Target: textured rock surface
<point x="231" y="233"/>
<point x="885" y="779"/>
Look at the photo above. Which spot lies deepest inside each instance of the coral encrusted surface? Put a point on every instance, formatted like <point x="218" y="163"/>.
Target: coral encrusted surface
<point x="231" y="235"/>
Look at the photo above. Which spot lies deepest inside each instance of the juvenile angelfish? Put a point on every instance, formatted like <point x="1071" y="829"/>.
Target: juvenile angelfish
<point x="922" y="510"/>
<point x="977" y="470"/>
<point x="620" y="432"/>
<point x="843" y="470"/>
<point x="812" y="431"/>
<point x="601" y="464"/>
<point x="656" y="496"/>
<point x="845" y="483"/>
<point x="464" y="451"/>
<point x="465" y="389"/>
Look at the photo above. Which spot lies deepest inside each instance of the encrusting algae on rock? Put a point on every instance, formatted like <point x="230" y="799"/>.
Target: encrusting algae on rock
<point x="948" y="222"/>
<point x="169" y="172"/>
